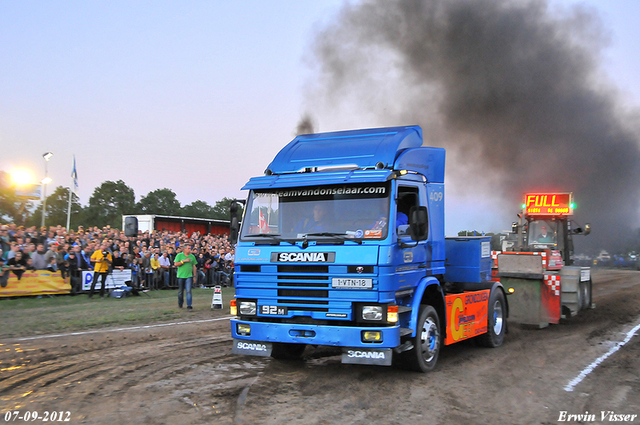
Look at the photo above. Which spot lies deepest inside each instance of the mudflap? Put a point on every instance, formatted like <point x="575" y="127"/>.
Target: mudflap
<point x="370" y="356"/>
<point x="251" y="348"/>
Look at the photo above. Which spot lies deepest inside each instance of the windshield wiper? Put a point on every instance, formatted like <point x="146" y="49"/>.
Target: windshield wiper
<point x="274" y="236"/>
<point x="339" y="236"/>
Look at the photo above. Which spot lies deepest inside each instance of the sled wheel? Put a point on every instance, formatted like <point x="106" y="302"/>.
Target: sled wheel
<point x="585" y="287"/>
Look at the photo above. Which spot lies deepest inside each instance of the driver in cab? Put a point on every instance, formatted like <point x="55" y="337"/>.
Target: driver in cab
<point x="545" y="236"/>
<point x="316" y="224"/>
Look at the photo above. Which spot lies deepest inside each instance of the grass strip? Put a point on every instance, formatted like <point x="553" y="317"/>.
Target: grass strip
<point x="31" y="316"/>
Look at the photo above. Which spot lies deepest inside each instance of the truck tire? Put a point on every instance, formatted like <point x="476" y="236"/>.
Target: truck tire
<point x="582" y="288"/>
<point x="496" y="321"/>
<point x="282" y="351"/>
<point x="585" y="287"/>
<point x="426" y="344"/>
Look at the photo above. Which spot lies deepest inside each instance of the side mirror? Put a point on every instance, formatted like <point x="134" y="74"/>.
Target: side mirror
<point x="418" y="223"/>
<point x="234" y="227"/>
<point x="130" y="226"/>
<point x="234" y="230"/>
<point x="583" y="232"/>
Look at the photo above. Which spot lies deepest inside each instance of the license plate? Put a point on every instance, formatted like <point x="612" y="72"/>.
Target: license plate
<point x="350" y="283"/>
<point x="273" y="310"/>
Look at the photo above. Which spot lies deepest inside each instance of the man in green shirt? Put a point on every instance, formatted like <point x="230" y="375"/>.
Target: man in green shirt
<point x="186" y="263"/>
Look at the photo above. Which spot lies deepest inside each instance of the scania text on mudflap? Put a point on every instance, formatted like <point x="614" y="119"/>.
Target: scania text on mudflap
<point x="342" y="244"/>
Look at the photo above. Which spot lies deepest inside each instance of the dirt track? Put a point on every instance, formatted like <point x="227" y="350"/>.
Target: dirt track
<point x="186" y="374"/>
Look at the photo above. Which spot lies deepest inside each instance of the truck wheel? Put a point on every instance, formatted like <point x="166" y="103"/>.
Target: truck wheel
<point x="426" y="344"/>
<point x="496" y="321"/>
<point x="586" y="294"/>
<point x="282" y="351"/>
<point x="580" y="297"/>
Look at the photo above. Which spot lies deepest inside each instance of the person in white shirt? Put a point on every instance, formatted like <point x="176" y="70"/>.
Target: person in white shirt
<point x="165" y="265"/>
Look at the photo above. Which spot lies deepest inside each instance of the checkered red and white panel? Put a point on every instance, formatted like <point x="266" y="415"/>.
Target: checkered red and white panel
<point x="553" y="282"/>
<point x="544" y="258"/>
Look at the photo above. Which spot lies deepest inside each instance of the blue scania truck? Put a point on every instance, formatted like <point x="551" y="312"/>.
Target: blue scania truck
<point x="342" y="244"/>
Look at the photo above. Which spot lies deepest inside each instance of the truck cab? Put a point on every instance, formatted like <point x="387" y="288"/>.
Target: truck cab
<point x="342" y="244"/>
<point x="548" y="224"/>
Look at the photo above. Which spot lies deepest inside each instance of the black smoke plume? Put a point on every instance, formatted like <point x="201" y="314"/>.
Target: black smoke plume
<point x="513" y="90"/>
<point x="305" y="126"/>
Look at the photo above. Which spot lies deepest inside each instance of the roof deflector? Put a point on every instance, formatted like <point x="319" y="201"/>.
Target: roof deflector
<point x="360" y="148"/>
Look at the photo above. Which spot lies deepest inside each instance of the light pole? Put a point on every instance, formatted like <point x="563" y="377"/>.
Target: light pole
<point x="45" y="181"/>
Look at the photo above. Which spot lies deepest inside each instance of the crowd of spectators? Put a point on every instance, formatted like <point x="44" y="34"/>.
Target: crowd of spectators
<point x="149" y="255"/>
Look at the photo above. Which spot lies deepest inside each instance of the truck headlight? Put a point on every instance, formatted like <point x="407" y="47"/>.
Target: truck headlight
<point x="248" y="308"/>
<point x="372" y="312"/>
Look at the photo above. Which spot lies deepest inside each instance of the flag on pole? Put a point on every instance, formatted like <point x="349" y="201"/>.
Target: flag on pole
<point x="74" y="176"/>
<point x="264" y="227"/>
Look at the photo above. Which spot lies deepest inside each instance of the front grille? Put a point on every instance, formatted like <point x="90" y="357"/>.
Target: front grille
<point x="308" y="309"/>
<point x="303" y="269"/>
<point x="307" y="284"/>
<point x="303" y="288"/>
<point x="303" y="293"/>
<point x="303" y="276"/>
<point x="295" y="277"/>
<point x="250" y="268"/>
<point x="283" y="302"/>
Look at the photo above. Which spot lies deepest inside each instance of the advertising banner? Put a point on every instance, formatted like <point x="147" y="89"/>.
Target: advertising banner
<point x="115" y="279"/>
<point x="39" y="282"/>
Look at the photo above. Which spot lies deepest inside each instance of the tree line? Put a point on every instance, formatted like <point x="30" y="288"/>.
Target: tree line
<point x="106" y="206"/>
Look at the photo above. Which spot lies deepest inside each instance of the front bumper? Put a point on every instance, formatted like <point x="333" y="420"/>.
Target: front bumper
<point x="337" y="336"/>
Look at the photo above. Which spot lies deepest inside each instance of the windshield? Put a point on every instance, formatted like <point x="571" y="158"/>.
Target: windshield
<point x="354" y="211"/>
<point x="543" y="232"/>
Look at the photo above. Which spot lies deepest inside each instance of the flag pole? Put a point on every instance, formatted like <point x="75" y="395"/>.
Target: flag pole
<point x="74" y="176"/>
<point x="69" y="208"/>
